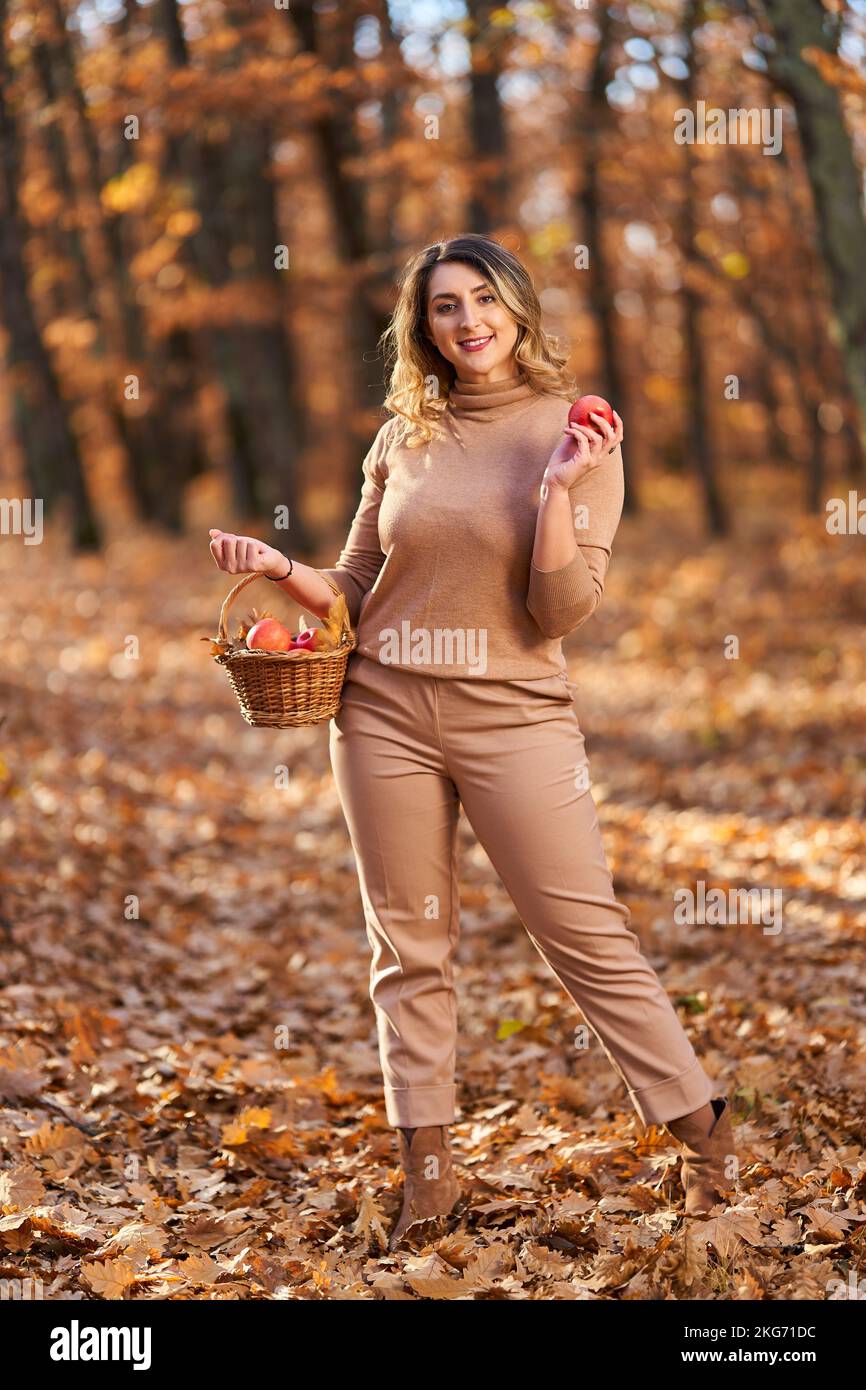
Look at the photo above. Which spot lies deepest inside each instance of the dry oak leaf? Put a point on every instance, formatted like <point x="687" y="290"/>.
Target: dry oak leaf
<point x="491" y="1262"/>
<point x="16" y="1084"/>
<point x="370" y="1222"/>
<point x="325" y="1083"/>
<point x="828" y="1225"/>
<point x="507" y="1204"/>
<point x="209" y="1232"/>
<point x="324" y="1200"/>
<point x="548" y="1264"/>
<point x="684" y="1261"/>
<point x="16" y="1232"/>
<point x="443" y="1287"/>
<point x="54" y="1137"/>
<point x="109" y="1278"/>
<point x="237" y="1132"/>
<point x="391" y="1288"/>
<point x="727" y="1230"/>
<point x="279" y="1145"/>
<point x="430" y="1276"/>
<point x="55" y="1221"/>
<point x="638" y="1197"/>
<point x="333" y="623"/>
<point x="613" y="1269"/>
<point x="136" y="1236"/>
<point x="249" y="1196"/>
<point x="200" y="1269"/>
<point x="20" y="1187"/>
<point x="786" y="1231"/>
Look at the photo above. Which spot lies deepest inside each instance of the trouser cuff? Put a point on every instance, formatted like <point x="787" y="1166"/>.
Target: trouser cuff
<point x="668" y="1100"/>
<point x="407" y="1107"/>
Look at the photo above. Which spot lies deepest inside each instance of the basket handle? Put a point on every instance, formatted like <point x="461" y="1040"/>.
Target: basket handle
<point x="248" y="579"/>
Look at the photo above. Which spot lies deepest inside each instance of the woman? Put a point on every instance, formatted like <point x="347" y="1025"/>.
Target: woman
<point x="482" y="537"/>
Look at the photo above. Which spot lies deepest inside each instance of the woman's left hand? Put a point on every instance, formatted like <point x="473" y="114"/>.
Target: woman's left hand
<point x="582" y="450"/>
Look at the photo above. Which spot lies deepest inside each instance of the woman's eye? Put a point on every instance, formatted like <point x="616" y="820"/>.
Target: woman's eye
<point x="443" y="307"/>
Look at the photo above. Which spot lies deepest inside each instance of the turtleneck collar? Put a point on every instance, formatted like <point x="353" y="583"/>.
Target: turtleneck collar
<point x="488" y="400"/>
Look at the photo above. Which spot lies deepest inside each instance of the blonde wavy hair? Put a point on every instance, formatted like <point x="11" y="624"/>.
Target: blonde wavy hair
<point x="415" y="368"/>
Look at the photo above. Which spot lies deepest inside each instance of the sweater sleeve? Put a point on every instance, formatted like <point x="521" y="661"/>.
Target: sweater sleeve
<point x="562" y="600"/>
<point x="362" y="557"/>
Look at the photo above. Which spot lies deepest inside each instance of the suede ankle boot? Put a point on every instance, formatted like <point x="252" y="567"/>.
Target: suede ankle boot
<point x="430" y="1187"/>
<point x="705" y="1158"/>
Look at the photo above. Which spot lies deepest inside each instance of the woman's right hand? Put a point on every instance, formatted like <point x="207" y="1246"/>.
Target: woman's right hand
<point x="246" y="555"/>
<point x="581" y="451"/>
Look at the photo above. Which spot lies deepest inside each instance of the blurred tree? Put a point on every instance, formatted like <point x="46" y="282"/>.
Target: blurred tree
<point x="701" y="445"/>
<point x="803" y="29"/>
<point x="366" y="251"/>
<point x="48" y="442"/>
<point x="162" y="259"/>
<point x="594" y="134"/>
<point x="238" y="228"/>
<point x="487" y="152"/>
<point x="155" y="424"/>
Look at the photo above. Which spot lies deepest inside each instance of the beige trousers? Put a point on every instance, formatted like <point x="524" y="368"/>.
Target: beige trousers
<point x="406" y="749"/>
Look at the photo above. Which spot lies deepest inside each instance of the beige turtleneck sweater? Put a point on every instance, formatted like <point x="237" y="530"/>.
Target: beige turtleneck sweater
<point x="437" y="567"/>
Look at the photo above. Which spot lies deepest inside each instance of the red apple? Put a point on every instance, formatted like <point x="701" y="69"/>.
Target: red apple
<point x="307" y="641"/>
<point x="580" y="412"/>
<point x="268" y="635"/>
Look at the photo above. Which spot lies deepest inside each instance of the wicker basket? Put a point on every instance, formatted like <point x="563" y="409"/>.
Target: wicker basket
<point x="284" y="690"/>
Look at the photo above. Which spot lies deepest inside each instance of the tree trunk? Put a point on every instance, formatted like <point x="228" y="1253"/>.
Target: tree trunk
<point x="367" y="270"/>
<point x="590" y="134"/>
<point x="59" y="161"/>
<point x="489" y="205"/>
<point x="48" y="443"/>
<point x="834" y="178"/>
<point x="700" y="444"/>
<point x="161" y="443"/>
<point x="816" y="370"/>
<point x="255" y="363"/>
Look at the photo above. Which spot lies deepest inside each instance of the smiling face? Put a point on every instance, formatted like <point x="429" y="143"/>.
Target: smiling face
<point x="468" y="324"/>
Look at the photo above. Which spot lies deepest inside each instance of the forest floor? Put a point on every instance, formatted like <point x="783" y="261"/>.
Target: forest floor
<point x="190" y="1095"/>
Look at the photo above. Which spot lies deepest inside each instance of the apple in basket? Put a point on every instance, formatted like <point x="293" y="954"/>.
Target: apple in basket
<point x="308" y="641"/>
<point x="269" y="635"/>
